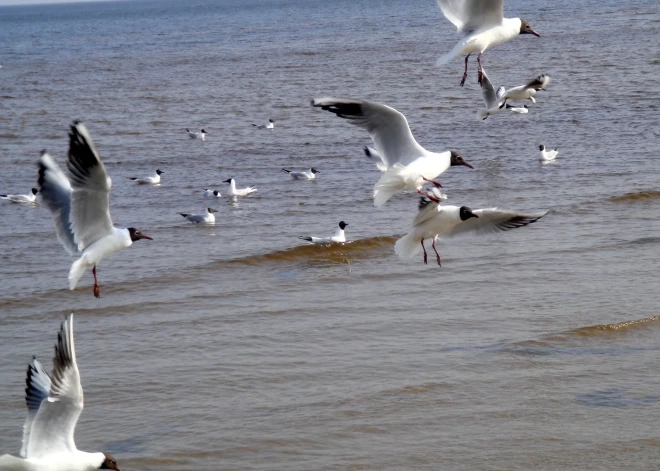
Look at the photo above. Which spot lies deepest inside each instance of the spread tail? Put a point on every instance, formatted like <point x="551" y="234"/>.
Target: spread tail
<point x="76" y="272"/>
<point x="407" y="246"/>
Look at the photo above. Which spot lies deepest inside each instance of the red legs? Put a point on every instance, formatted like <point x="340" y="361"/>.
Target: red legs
<point x="425" y="256"/>
<point x="97" y="290"/>
<point x="480" y="76"/>
<point x="465" y="73"/>
<point x="429" y="196"/>
<point x="437" y="255"/>
<point x="436" y="184"/>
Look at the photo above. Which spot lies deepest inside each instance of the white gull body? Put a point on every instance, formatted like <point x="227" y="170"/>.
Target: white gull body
<point x="151" y="180"/>
<point x="269" y="125"/>
<point x="207" y="217"/>
<point x="233" y="191"/>
<point x="29" y="198"/>
<point x="54" y="404"/>
<point x="306" y="175"/>
<point x="408" y="164"/>
<point x="524" y="92"/>
<point x="338" y="236"/>
<point x="196" y="135"/>
<point x="491" y="98"/>
<point x="547" y="155"/>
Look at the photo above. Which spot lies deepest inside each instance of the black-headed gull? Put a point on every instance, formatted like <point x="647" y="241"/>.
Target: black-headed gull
<point x="207" y="217"/>
<point x="233" y="191"/>
<point x="80" y="206"/>
<point x="211" y="193"/>
<point x="269" y="125"/>
<point x="338" y="236"/>
<point x="517" y="109"/>
<point x="409" y="165"/>
<point x="152" y="180"/>
<point x="491" y="98"/>
<point x="524" y="92"/>
<point x="29" y="198"/>
<point x="54" y="404"/>
<point x="483" y="25"/>
<point x="434" y="219"/>
<point x="306" y="175"/>
<point x="547" y="155"/>
<point x="196" y="135"/>
<point x="373" y="155"/>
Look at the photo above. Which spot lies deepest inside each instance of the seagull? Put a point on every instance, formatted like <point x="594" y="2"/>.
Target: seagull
<point x="54" y="404"/>
<point x="80" y="206"/>
<point x="29" y="198"/>
<point x="547" y="155"/>
<point x="434" y="220"/>
<point x="210" y="193"/>
<point x="483" y="25"/>
<point x="153" y="180"/>
<point x="306" y="175"/>
<point x="207" y="217"/>
<point x="491" y="98"/>
<point x="233" y="191"/>
<point x="196" y="135"/>
<point x="524" y="92"/>
<point x="337" y="237"/>
<point x="269" y="125"/>
<point x="409" y="165"/>
<point x="372" y="154"/>
<point x="517" y="109"/>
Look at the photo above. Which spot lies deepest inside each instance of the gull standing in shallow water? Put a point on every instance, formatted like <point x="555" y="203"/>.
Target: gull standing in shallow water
<point x="54" y="404"/>
<point x="152" y="180"/>
<point x="483" y="25"/>
<point x="434" y="220"/>
<point x="409" y="165"/>
<point x="196" y="135"/>
<point x="233" y="191"/>
<point x="29" y="198"/>
<point x="337" y="237"/>
<point x="547" y="155"/>
<point x="80" y="206"/>
<point x="306" y="175"/>
<point x="207" y="217"/>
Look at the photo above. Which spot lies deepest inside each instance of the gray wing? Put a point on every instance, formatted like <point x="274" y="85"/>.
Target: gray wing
<point x="55" y="191"/>
<point x="488" y="91"/>
<point x="90" y="200"/>
<point x="386" y="126"/>
<point x="500" y="92"/>
<point x="471" y="15"/>
<point x="54" y="425"/>
<point x="494" y="220"/>
<point x="37" y="388"/>
<point x="196" y="218"/>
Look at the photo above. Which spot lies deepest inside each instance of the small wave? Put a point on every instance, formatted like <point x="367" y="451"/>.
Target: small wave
<point x="601" y="329"/>
<point x="637" y="196"/>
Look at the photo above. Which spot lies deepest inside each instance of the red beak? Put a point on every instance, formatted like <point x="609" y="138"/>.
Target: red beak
<point x="534" y="33"/>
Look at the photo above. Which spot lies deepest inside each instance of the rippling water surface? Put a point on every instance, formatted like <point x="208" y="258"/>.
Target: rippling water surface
<point x="234" y="347"/>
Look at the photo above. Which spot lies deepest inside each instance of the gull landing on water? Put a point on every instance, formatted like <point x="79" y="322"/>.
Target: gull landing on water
<point x="196" y="135"/>
<point x="338" y="236"/>
<point x="408" y="164"/>
<point x="80" y="206"/>
<point x="306" y="175"/>
<point x="547" y="155"/>
<point x="152" y="180"/>
<point x="483" y="24"/>
<point x="233" y="191"/>
<point x="207" y="217"/>
<point x="54" y="404"/>
<point x="29" y="198"/>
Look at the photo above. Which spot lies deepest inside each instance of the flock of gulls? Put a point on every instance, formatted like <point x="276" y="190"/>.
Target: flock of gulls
<point x="78" y="200"/>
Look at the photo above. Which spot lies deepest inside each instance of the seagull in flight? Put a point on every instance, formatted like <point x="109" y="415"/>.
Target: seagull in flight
<point x="491" y="98"/>
<point x="483" y="25"/>
<point x="233" y="191"/>
<point x="207" y="217"/>
<point x="80" y="206"/>
<point x="338" y="236"/>
<point x="29" y="198"/>
<point x="54" y="404"/>
<point x="152" y="180"/>
<point x="196" y="135"/>
<point x="306" y="175"/>
<point x="409" y="165"/>
<point x="547" y="155"/>
<point x="434" y="220"/>
<point x="524" y="92"/>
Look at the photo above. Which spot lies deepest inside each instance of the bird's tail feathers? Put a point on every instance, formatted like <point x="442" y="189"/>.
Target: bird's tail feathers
<point x="4" y="197"/>
<point x="387" y="184"/>
<point x="77" y="271"/>
<point x="285" y="170"/>
<point x="132" y="178"/>
<point x="407" y="246"/>
<point x="308" y="239"/>
<point x="184" y="215"/>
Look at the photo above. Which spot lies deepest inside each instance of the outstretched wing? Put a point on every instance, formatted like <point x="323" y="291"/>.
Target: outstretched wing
<point x="471" y="15"/>
<point x="494" y="220"/>
<point x="488" y="91"/>
<point x="36" y="390"/>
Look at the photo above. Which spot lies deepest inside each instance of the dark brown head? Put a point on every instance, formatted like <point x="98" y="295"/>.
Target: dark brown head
<point x="211" y="210"/>
<point x="466" y="213"/>
<point x="342" y="225"/>
<point x="457" y="159"/>
<point x="159" y="172"/>
<point x="314" y="170"/>
<point x="526" y="29"/>
<point x="34" y="191"/>
<point x="541" y="147"/>
<point x="109" y="463"/>
<point x="137" y="235"/>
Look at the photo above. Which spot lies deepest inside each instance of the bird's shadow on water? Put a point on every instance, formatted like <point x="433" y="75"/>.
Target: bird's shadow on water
<point x="137" y="444"/>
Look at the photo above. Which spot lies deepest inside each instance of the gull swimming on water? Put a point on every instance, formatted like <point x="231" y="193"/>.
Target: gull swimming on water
<point x="80" y="206"/>
<point x="196" y="135"/>
<point x="207" y="217"/>
<point x="547" y="155"/>
<point x="306" y="175"/>
<point x="338" y="236"/>
<point x="491" y="98"/>
<point x="409" y="165"/>
<point x="152" y="180"/>
<point x="483" y="25"/>
<point x="434" y="220"/>
<point x="54" y="404"/>
<point x="524" y="92"/>
<point x="233" y="191"/>
<point x="211" y="193"/>
<point x="269" y="125"/>
<point x="517" y="109"/>
<point x="29" y="198"/>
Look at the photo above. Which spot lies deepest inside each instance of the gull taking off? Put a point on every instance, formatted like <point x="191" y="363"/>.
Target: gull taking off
<point x="152" y="180"/>
<point x="54" y="404"/>
<point x="207" y="217"/>
<point x="233" y="191"/>
<point x="269" y="125"/>
<point x="306" y="175"/>
<point x="29" y="198"/>
<point x="483" y="25"/>
<point x="196" y="135"/>
<point x="337" y="237"/>
<point x="524" y="92"/>
<point x="409" y="165"/>
<point x="80" y="206"/>
<point x="434" y="220"/>
<point x="491" y="98"/>
<point x="547" y="155"/>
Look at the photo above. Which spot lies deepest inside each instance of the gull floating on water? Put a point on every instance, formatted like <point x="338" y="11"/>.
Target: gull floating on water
<point x="337" y="237"/>
<point x="373" y="155"/>
<point x="269" y="125"/>
<point x="306" y="175"/>
<point x="80" y="206"/>
<point x="196" y="135"/>
<point x="434" y="220"/>
<point x="54" y="404"/>
<point x="547" y="155"/>
<point x="153" y="180"/>
<point x="29" y="198"/>
<point x="211" y="193"/>
<point x="524" y="92"/>
<point x="491" y="98"/>
<point x="517" y="109"/>
<point x="233" y="191"/>
<point x="483" y="25"/>
<point x="409" y="165"/>
<point x="207" y="217"/>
